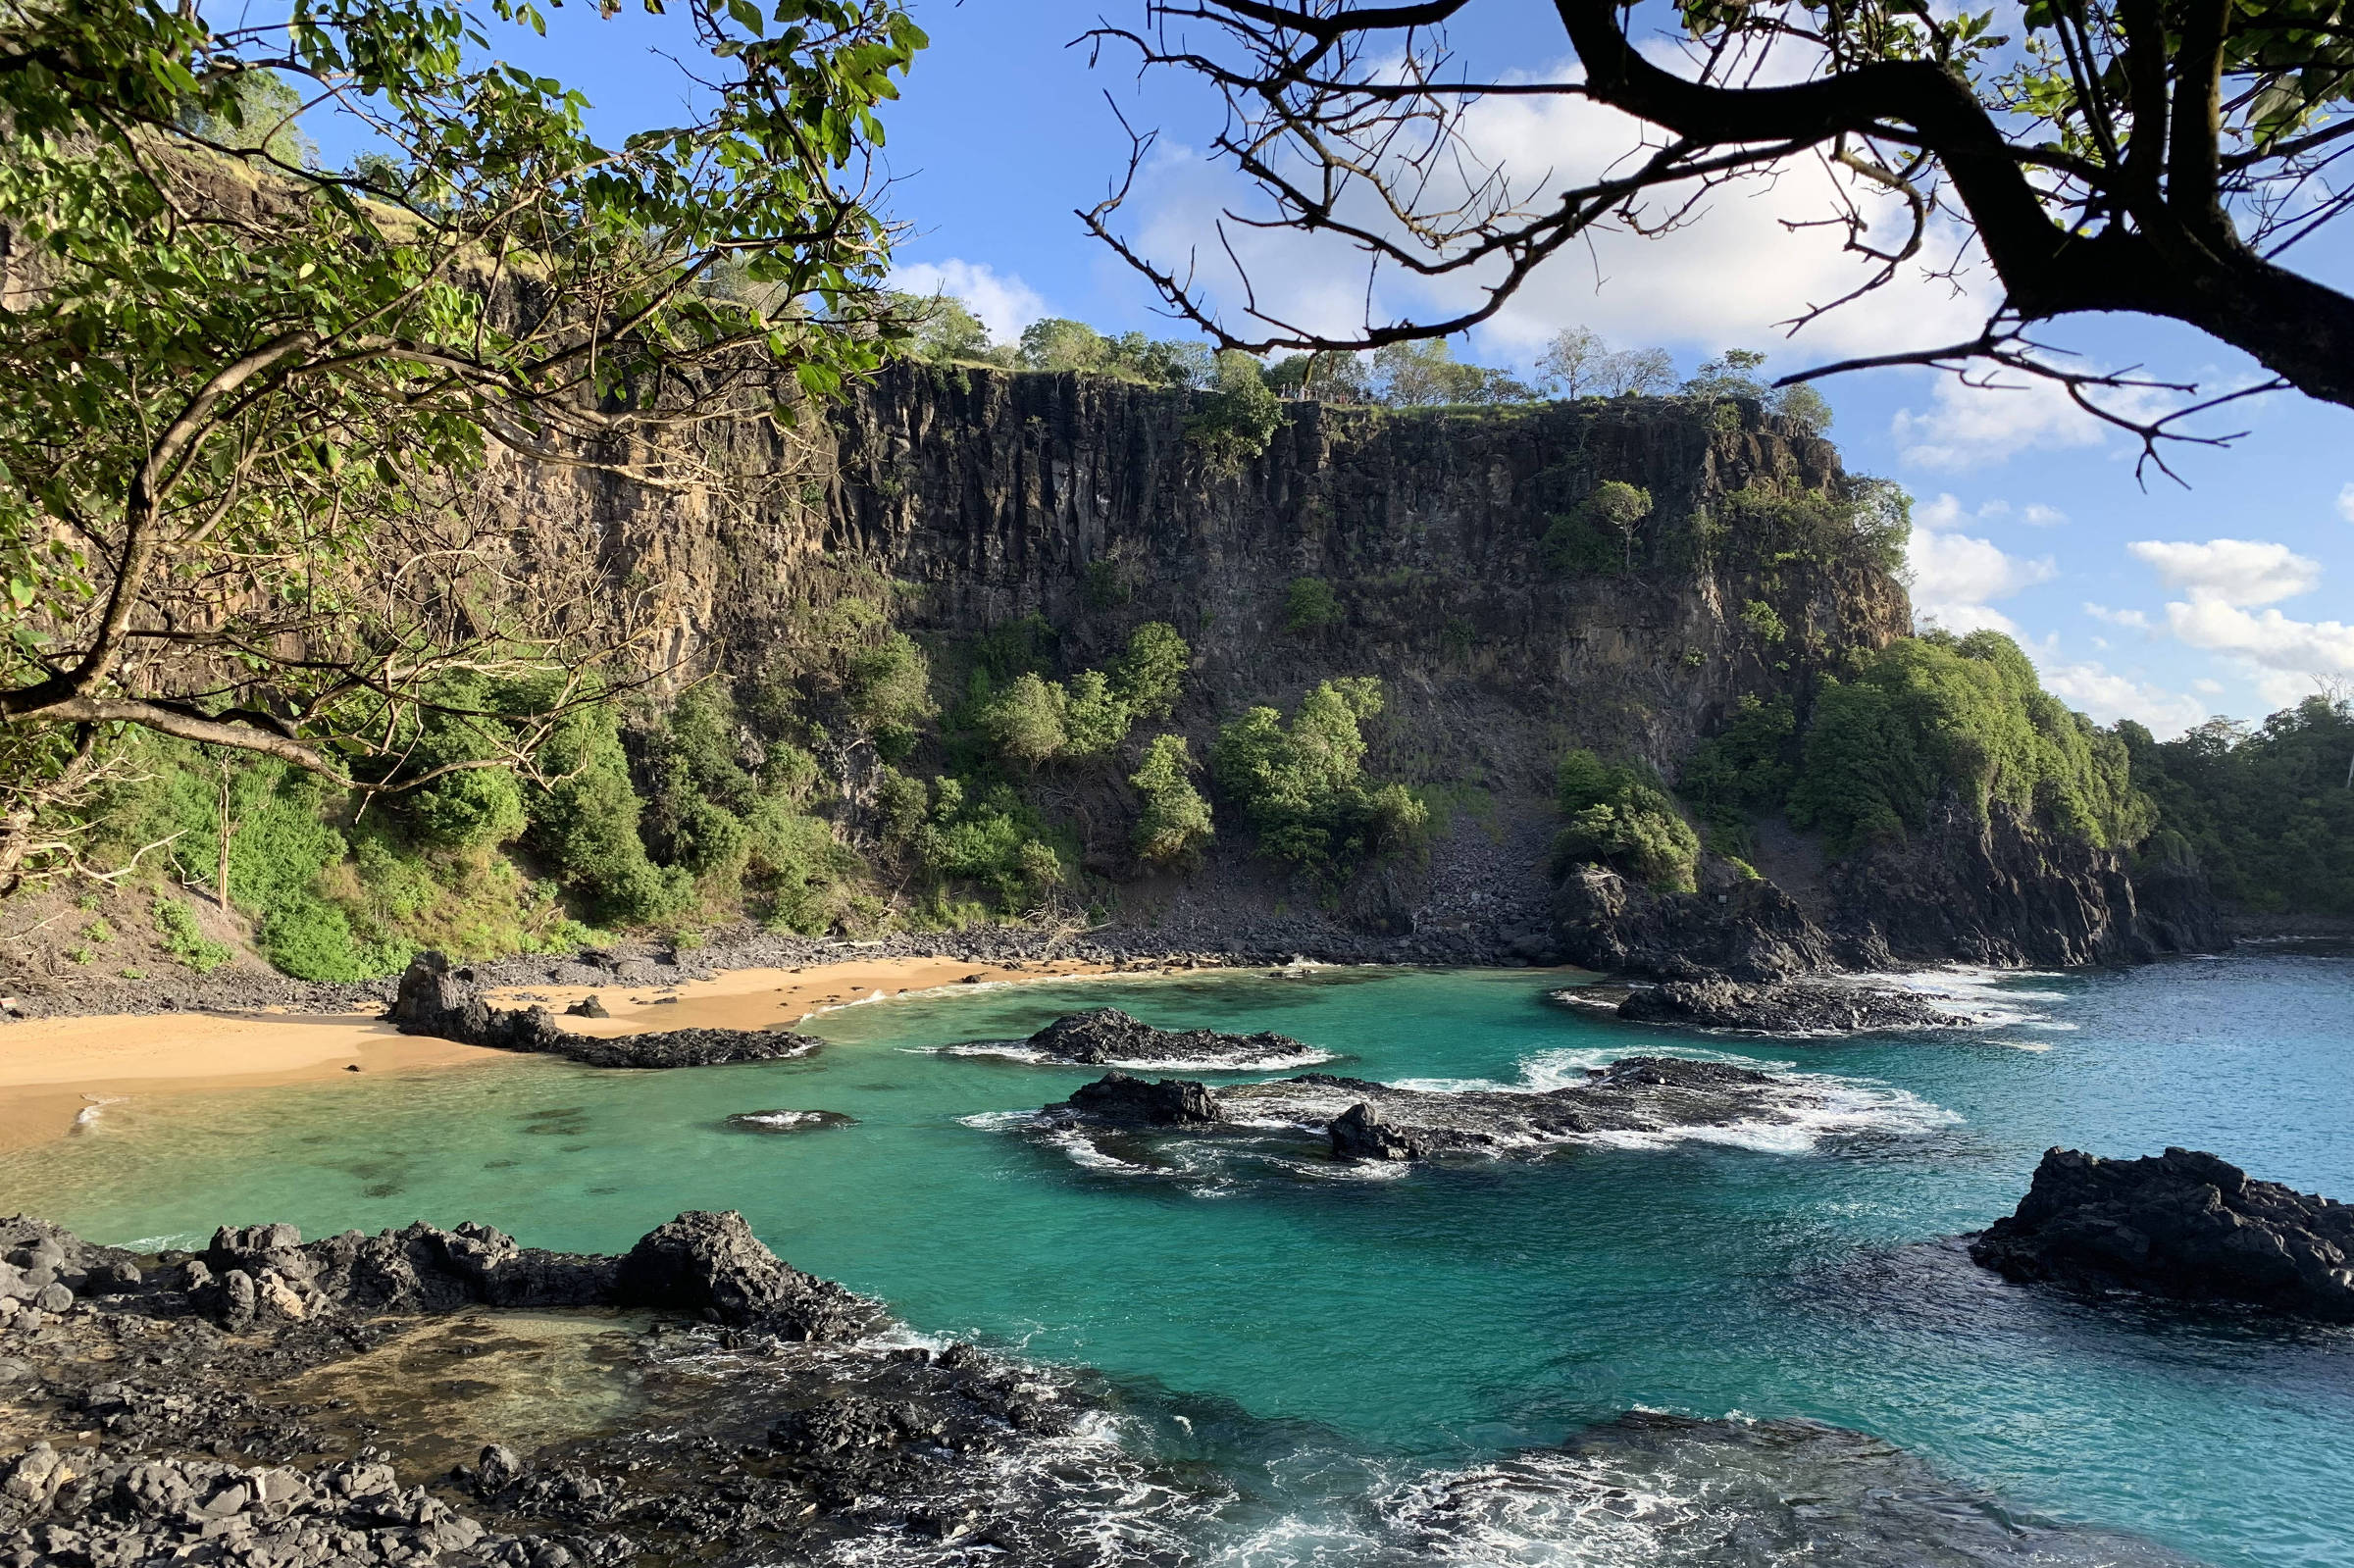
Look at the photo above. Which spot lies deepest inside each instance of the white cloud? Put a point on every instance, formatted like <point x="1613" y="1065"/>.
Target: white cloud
<point x="2125" y="618"/>
<point x="1005" y="304"/>
<point x="1957" y="578"/>
<point x="1968" y="425"/>
<point x="1942" y="513"/>
<point x="2039" y="515"/>
<point x="2231" y="571"/>
<point x="2213" y="688"/>
<point x="1945" y="512"/>
<point x="2108" y="696"/>
<point x="2345" y="503"/>
<point x="2267" y="640"/>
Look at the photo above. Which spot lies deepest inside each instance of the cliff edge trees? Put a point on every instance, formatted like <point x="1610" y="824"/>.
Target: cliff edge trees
<point x="246" y="402"/>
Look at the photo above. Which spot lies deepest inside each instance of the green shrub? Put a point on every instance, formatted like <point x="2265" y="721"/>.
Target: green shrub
<point x="1173" y="823"/>
<point x="1619" y="816"/>
<point x="1745" y="768"/>
<point x="1310" y="605"/>
<point x="1150" y="675"/>
<point x="1024" y="723"/>
<point x="1764" y="621"/>
<point x="1239" y="418"/>
<point x="1302" y="788"/>
<point x="584" y="826"/>
<point x="989" y="837"/>
<point x="183" y="938"/>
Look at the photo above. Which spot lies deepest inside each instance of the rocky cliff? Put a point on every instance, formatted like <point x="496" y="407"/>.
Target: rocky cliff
<point x="962" y="500"/>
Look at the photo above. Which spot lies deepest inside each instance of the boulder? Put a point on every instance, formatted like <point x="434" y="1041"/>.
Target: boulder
<point x="711" y="1264"/>
<point x="2181" y="1224"/>
<point x="1360" y="1133"/>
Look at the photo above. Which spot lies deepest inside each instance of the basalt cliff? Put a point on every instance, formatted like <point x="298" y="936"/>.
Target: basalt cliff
<point x="967" y="500"/>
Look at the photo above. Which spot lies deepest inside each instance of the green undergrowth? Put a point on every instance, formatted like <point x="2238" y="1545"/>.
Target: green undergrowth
<point x="2267" y="809"/>
<point x="1302" y="786"/>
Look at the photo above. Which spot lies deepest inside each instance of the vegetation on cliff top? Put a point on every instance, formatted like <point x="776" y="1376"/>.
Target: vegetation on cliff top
<point x="2266" y="810"/>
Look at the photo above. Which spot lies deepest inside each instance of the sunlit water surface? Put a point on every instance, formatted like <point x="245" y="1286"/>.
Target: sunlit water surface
<point x="1328" y="1336"/>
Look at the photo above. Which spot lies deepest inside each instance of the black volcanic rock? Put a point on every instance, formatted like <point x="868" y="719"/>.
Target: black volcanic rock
<point x="438" y="1000"/>
<point x="2181" y="1224"/>
<point x="1105" y="1035"/>
<point x="1168" y="1102"/>
<point x="1793" y="1007"/>
<point x="789" y="1121"/>
<point x="712" y="1263"/>
<point x="1360" y="1133"/>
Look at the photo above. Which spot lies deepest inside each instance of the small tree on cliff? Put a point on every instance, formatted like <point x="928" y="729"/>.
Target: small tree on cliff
<point x="249" y="408"/>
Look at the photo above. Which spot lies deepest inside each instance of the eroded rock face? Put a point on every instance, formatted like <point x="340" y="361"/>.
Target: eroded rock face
<point x="1790" y="1008"/>
<point x="436" y="999"/>
<point x="1360" y="1133"/>
<point x="1106" y="1037"/>
<point x="2179" y="1224"/>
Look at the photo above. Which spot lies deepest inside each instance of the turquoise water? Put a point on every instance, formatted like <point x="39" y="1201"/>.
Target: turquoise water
<point x="1323" y="1332"/>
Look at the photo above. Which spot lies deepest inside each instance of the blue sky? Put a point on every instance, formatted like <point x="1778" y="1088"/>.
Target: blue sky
<point x="2231" y="596"/>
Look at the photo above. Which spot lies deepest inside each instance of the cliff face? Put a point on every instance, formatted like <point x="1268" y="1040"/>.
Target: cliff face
<point x="963" y="500"/>
<point x="1080" y="499"/>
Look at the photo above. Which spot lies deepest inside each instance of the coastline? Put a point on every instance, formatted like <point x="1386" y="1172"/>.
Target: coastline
<point x="53" y="1070"/>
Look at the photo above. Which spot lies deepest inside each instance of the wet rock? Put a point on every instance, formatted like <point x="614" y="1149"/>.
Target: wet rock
<point x="587" y="1007"/>
<point x="1795" y="1007"/>
<point x="1360" y="1133"/>
<point x="438" y="1000"/>
<point x="1743" y="930"/>
<point x="1167" y="1102"/>
<point x="1106" y="1037"/>
<point x="497" y="1468"/>
<point x="2181" y="1224"/>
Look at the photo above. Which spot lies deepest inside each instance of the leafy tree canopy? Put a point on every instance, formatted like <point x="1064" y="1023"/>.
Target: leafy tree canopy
<point x="245" y="403"/>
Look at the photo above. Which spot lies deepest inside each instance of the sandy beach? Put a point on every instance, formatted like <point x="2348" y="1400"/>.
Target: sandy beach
<point x="54" y="1070"/>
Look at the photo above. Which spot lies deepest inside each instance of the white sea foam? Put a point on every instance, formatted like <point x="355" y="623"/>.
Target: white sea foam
<point x="778" y="1119"/>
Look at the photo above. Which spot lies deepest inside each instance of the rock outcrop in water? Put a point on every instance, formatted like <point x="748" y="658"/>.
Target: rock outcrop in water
<point x="1105" y="1036"/>
<point x="1364" y="1120"/>
<point x="172" y="1411"/>
<point x="2181" y="1224"/>
<point x="438" y="1000"/>
<point x="1792" y="1007"/>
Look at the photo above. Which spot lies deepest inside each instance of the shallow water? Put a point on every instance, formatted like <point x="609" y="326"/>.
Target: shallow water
<point x="1322" y="1338"/>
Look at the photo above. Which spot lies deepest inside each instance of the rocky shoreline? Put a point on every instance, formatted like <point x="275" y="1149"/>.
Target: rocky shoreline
<point x="168" y="1408"/>
<point x="1787" y="1007"/>
<point x="1106" y="1037"/>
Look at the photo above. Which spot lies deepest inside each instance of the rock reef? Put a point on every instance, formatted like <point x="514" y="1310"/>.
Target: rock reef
<point x="1357" y="1119"/>
<point x="2181" y="1224"/>
<point x="444" y="1002"/>
<point x="1791" y="1008"/>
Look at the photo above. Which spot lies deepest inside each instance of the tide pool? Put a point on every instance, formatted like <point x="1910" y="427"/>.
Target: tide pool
<point x="1320" y="1335"/>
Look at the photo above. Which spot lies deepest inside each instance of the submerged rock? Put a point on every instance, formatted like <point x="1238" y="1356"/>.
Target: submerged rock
<point x="1795" y="1007"/>
<point x="789" y="1121"/>
<point x="1105" y="1036"/>
<point x="2181" y="1224"/>
<point x="1668" y="1490"/>
<point x="438" y="1000"/>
